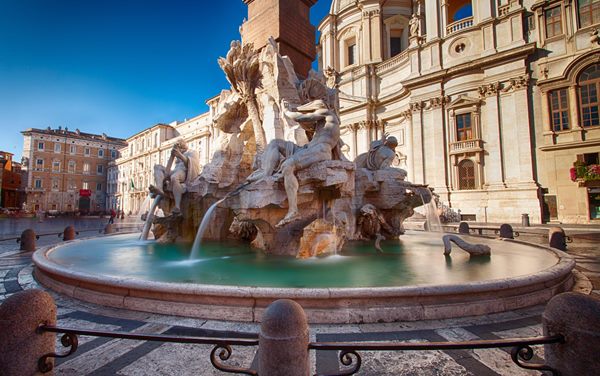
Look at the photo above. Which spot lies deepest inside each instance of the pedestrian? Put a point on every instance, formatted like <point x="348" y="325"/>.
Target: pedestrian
<point x="113" y="214"/>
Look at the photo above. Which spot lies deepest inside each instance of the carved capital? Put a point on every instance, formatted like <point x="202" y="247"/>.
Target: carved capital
<point x="416" y="106"/>
<point x="437" y="102"/>
<point x="521" y="82"/>
<point x="489" y="90"/>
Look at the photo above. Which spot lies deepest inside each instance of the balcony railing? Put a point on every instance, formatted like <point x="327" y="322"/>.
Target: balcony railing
<point x="503" y="10"/>
<point x="459" y="25"/>
<point x="466" y="146"/>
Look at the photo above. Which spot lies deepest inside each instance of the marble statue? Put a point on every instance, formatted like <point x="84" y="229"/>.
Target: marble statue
<point x="414" y="25"/>
<point x="316" y="119"/>
<point x="186" y="168"/>
<point x="471" y="249"/>
<point x="380" y="156"/>
<point x="370" y="224"/>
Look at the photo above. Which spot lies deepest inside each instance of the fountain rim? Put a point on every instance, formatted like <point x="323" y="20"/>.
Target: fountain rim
<point x="565" y="263"/>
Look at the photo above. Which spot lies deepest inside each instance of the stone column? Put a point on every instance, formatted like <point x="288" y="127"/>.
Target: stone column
<point x="22" y="346"/>
<point x="432" y="12"/>
<point x="577" y="317"/>
<point x="283" y="340"/>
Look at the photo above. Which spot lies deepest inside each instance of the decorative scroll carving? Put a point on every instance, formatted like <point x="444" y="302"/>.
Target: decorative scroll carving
<point x="489" y="90"/>
<point x="521" y="82"/>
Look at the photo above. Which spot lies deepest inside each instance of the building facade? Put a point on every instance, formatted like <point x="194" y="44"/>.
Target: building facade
<point x="470" y="88"/>
<point x="10" y="182"/>
<point x="67" y="170"/>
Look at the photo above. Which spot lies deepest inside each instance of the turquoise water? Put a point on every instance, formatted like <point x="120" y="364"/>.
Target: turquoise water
<point x="416" y="258"/>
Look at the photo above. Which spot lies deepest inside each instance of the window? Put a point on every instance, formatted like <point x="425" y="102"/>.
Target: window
<point x="85" y="185"/>
<point x="100" y="169"/>
<point x="40" y="146"/>
<point x="72" y="149"/>
<point x="113" y="154"/>
<point x="395" y="42"/>
<point x="39" y="164"/>
<point x="55" y="184"/>
<point x="98" y="187"/>
<point x="553" y="22"/>
<point x="559" y="109"/>
<point x="466" y="175"/>
<point x="352" y="53"/>
<point x="71" y="167"/>
<point x="156" y="140"/>
<point x="86" y="151"/>
<point x="57" y="148"/>
<point x="589" y="12"/>
<point x="56" y="166"/>
<point x="86" y="168"/>
<point x="464" y="131"/>
<point x="72" y="186"/>
<point x="589" y="87"/>
<point x="100" y="153"/>
<point x="38" y="183"/>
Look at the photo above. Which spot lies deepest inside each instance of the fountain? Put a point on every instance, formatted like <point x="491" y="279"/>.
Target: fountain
<point x="283" y="214"/>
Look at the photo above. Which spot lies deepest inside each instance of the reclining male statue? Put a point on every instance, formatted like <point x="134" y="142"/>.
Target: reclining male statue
<point x="316" y="119"/>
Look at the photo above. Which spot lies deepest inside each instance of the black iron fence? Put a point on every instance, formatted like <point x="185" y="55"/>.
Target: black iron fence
<point x="349" y="357"/>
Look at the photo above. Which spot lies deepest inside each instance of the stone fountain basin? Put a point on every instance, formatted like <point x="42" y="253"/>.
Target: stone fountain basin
<point x="322" y="305"/>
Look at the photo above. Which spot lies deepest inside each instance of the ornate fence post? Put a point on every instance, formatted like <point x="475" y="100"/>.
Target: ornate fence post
<point x="27" y="240"/>
<point x="557" y="238"/>
<point x="506" y="231"/>
<point x="463" y="228"/>
<point x="577" y="317"/>
<point x="283" y="340"/>
<point x="21" y="343"/>
<point x="69" y="233"/>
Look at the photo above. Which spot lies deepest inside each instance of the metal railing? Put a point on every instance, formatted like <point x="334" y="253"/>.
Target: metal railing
<point x="221" y="351"/>
<point x="521" y="350"/>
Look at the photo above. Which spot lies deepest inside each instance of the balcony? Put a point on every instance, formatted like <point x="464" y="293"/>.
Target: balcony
<point x="466" y="146"/>
<point x="459" y="25"/>
<point x="503" y="10"/>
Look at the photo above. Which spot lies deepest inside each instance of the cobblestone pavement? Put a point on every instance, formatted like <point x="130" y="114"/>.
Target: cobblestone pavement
<point x="106" y="356"/>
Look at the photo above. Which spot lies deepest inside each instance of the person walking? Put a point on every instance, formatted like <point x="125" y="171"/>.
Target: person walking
<point x="113" y="214"/>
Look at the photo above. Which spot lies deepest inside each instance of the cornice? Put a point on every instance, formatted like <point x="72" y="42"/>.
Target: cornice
<point x="440" y="75"/>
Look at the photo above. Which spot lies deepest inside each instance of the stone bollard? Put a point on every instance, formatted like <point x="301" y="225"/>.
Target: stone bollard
<point x="506" y="231"/>
<point x="69" y="233"/>
<point x="283" y="340"/>
<point x="22" y="346"/>
<point x="109" y="229"/>
<point x="557" y="238"/>
<point x="577" y="317"/>
<point x="27" y="241"/>
<point x="463" y="228"/>
<point x="525" y="220"/>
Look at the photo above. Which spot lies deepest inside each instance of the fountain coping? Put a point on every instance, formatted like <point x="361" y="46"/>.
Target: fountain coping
<point x="331" y="304"/>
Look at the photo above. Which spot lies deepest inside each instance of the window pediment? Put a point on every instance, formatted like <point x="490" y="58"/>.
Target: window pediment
<point x="464" y="101"/>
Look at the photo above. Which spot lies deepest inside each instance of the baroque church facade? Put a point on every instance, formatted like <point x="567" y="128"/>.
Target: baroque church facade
<point x="494" y="103"/>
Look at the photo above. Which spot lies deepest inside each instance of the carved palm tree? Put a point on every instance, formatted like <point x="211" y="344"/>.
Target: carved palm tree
<point x="242" y="69"/>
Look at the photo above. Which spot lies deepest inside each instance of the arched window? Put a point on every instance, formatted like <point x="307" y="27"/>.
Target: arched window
<point x="466" y="175"/>
<point x="460" y="15"/>
<point x="589" y="89"/>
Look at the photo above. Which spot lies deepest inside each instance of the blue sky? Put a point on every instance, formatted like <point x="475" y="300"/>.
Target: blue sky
<point x="112" y="66"/>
